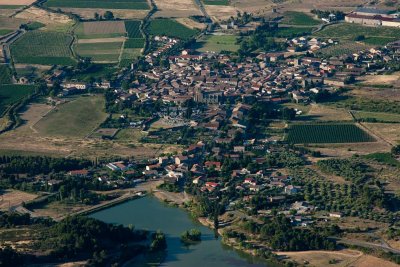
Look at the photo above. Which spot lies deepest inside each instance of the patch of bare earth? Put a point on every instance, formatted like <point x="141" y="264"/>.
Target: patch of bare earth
<point x="16" y="2"/>
<point x="88" y="13"/>
<point x="392" y="79"/>
<point x="325" y="113"/>
<point x="44" y="16"/>
<point x="218" y="13"/>
<point x="101" y="40"/>
<point x="9" y="198"/>
<point x="176" y="8"/>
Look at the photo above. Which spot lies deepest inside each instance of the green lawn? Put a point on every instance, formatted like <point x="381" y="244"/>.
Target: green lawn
<point x="386" y="158"/>
<point x="11" y="94"/>
<point x="46" y="48"/>
<point x="349" y="31"/>
<point x="100" y="51"/>
<point x="291" y="32"/>
<point x="218" y="43"/>
<point x="172" y="28"/>
<point x="76" y="118"/>
<point x="299" y="18"/>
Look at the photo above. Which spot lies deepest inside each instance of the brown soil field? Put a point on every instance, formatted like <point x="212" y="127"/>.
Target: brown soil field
<point x="191" y="23"/>
<point x="6" y="12"/>
<point x="377" y="94"/>
<point x="256" y="7"/>
<point x="307" y="5"/>
<point x="104" y="27"/>
<point x="218" y="13"/>
<point x="344" y="258"/>
<point x="26" y="140"/>
<point x="325" y="113"/>
<point x="16" y="2"/>
<point x="176" y="8"/>
<point x="88" y="13"/>
<point x="392" y="79"/>
<point x="101" y="40"/>
<point x="9" y="198"/>
<point x="44" y="16"/>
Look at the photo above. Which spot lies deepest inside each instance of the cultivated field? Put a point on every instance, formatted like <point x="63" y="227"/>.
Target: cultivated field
<point x="108" y="4"/>
<point x="343" y="48"/>
<point x="133" y="28"/>
<point x="349" y="31"/>
<point x="46" y="48"/>
<point x="134" y="43"/>
<point x="170" y="28"/>
<point x="88" y="13"/>
<point x="10" y="94"/>
<point x="76" y="118"/>
<point x="100" y="52"/>
<point x="5" y="75"/>
<point x="11" y="23"/>
<point x="16" y="2"/>
<point x="299" y="18"/>
<point x="327" y="133"/>
<point x="325" y="113"/>
<point x="176" y="8"/>
<point x="377" y="116"/>
<point x="103" y="27"/>
<point x="9" y="198"/>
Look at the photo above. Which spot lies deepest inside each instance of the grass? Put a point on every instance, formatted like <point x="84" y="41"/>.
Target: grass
<point x="216" y="2"/>
<point x="34" y="26"/>
<point x="76" y="118"/>
<point x="129" y="55"/>
<point x="5" y="74"/>
<point x="106" y="4"/>
<point x="172" y="28"/>
<point x="218" y="43"/>
<point x="327" y="133"/>
<point x="46" y="48"/>
<point x="376" y="116"/>
<point x="5" y="31"/>
<point x="134" y="43"/>
<point x="290" y="32"/>
<point x="11" y="94"/>
<point x="10" y="6"/>
<point x="133" y="28"/>
<point x="299" y="18"/>
<point x="386" y="158"/>
<point x="349" y="31"/>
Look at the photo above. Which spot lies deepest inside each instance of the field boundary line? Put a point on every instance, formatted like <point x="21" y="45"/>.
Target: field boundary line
<point x="369" y="131"/>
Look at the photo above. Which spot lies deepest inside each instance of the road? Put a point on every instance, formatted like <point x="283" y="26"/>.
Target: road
<point x="364" y="244"/>
<point x="205" y="14"/>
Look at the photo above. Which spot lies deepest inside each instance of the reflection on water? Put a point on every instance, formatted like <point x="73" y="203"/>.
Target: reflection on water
<point x="150" y="214"/>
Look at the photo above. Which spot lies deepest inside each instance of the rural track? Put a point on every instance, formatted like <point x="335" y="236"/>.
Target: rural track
<point x="364" y="244"/>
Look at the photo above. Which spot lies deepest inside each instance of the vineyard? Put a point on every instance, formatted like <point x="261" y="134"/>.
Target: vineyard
<point x="133" y="28"/>
<point x="46" y="48"/>
<point x="109" y="4"/>
<point x="327" y="133"/>
<point x="103" y="27"/>
<point x="344" y="48"/>
<point x="171" y="28"/>
<point x="10" y="94"/>
<point x="134" y="43"/>
<point x="5" y="75"/>
<point x="100" y="52"/>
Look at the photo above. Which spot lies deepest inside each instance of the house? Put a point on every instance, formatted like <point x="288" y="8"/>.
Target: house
<point x="75" y="85"/>
<point x="213" y="164"/>
<point x="80" y="173"/>
<point x="290" y="189"/>
<point x="250" y="181"/>
<point x="336" y="215"/>
<point x="117" y="166"/>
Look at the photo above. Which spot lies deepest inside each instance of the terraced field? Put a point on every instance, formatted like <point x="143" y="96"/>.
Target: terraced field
<point x="46" y="48"/>
<point x="107" y="4"/>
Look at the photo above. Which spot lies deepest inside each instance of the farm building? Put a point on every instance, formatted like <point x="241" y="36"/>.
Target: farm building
<point x="374" y="17"/>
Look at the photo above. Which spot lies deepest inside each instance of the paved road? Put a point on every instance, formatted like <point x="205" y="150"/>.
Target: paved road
<point x="382" y="246"/>
<point x="205" y="14"/>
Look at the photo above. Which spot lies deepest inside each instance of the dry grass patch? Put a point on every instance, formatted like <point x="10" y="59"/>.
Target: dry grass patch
<point x="9" y="198"/>
<point x="88" y="13"/>
<point x="54" y="21"/>
<point x="392" y="79"/>
<point x="218" y="13"/>
<point x="191" y="23"/>
<point x="176" y="8"/>
<point x="11" y="23"/>
<point x="325" y="113"/>
<point x="16" y="2"/>
<point x="390" y="132"/>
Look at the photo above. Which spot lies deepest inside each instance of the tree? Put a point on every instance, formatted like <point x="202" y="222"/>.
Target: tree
<point x="396" y="150"/>
<point x="96" y="16"/>
<point x="108" y="15"/>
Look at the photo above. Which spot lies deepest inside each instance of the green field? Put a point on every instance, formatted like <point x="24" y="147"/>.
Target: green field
<point x="76" y="118"/>
<point x="299" y="18"/>
<point x="290" y="32"/>
<point x="134" y="43"/>
<point x="129" y="55"/>
<point x="343" y="48"/>
<point x="386" y="158"/>
<point x="10" y="94"/>
<point x="171" y="28"/>
<point x="107" y="4"/>
<point x="327" y="133"/>
<point x="5" y="75"/>
<point x="133" y="28"/>
<point x="80" y="33"/>
<point x="46" y="48"/>
<point x="10" y="6"/>
<point x="349" y="31"/>
<point x="216" y="2"/>
<point x="218" y="43"/>
<point x="5" y="31"/>
<point x="376" y="116"/>
<point x="100" y="51"/>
